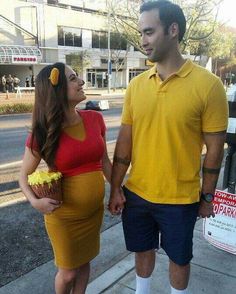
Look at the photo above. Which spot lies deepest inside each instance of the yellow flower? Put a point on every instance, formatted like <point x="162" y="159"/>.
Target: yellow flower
<point x="43" y="177"/>
<point x="54" y="76"/>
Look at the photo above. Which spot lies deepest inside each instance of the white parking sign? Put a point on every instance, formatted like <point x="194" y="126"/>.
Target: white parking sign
<point x="221" y="230"/>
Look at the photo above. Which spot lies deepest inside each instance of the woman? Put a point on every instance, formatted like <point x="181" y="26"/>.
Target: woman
<point x="73" y="142"/>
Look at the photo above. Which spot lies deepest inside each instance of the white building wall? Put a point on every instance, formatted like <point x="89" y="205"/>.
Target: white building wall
<point x="87" y="39"/>
<point x="49" y="17"/>
<point x="21" y="13"/>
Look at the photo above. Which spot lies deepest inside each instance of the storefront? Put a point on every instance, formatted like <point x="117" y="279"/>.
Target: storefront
<point x="20" y="61"/>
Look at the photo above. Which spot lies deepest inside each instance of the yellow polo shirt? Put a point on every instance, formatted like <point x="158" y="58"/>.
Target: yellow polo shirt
<point x="168" y="118"/>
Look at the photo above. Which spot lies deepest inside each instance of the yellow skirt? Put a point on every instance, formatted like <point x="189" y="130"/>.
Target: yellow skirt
<point x="74" y="228"/>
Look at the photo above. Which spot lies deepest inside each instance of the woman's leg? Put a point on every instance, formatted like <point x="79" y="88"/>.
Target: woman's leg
<point x="64" y="280"/>
<point x="82" y="278"/>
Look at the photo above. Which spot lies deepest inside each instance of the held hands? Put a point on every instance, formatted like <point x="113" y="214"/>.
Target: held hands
<point x="116" y="202"/>
<point x="46" y="205"/>
<point x="206" y="209"/>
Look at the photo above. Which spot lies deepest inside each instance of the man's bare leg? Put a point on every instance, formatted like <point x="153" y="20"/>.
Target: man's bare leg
<point x="179" y="275"/>
<point x="144" y="264"/>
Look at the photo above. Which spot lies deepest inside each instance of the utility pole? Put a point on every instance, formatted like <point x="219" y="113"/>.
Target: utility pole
<point x="109" y="66"/>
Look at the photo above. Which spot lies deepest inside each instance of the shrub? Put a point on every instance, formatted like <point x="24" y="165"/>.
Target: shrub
<point x="16" y="108"/>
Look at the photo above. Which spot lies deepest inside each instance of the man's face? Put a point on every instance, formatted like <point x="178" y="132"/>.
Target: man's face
<point x="153" y="39"/>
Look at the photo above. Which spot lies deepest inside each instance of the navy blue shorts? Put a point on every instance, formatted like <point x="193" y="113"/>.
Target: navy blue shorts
<point x="143" y="221"/>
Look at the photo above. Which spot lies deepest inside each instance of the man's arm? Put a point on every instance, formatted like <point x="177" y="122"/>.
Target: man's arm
<point x="121" y="162"/>
<point x="211" y="168"/>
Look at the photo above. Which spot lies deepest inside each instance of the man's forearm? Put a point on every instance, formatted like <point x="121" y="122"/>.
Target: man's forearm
<point x="210" y="172"/>
<point x="119" y="169"/>
<point x="121" y="162"/>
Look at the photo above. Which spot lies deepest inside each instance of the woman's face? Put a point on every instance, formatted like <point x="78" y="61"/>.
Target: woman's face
<point x="75" y="91"/>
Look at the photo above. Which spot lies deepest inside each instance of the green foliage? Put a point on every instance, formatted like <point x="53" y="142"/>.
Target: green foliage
<point x="201" y="37"/>
<point x="218" y="45"/>
<point x="124" y="15"/>
<point x="16" y="108"/>
<point x="78" y="60"/>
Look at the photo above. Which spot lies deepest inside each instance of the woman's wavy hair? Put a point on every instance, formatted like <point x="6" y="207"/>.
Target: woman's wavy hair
<point x="50" y="105"/>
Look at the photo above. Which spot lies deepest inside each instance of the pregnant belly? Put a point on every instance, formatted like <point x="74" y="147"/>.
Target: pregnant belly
<point x="83" y="195"/>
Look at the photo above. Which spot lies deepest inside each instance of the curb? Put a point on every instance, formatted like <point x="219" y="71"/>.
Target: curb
<point x="112" y="275"/>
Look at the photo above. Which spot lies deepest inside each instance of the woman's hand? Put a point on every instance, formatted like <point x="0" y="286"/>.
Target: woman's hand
<point x="46" y="205"/>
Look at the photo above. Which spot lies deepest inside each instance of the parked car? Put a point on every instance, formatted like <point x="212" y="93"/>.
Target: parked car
<point x="97" y="105"/>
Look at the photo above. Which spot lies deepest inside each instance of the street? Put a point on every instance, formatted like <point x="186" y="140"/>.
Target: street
<point x="14" y="129"/>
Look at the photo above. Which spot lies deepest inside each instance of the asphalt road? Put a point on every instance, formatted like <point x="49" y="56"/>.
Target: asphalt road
<point x="14" y="129"/>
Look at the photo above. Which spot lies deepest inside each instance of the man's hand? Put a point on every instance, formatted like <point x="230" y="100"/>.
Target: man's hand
<point x="116" y="202"/>
<point x="206" y="209"/>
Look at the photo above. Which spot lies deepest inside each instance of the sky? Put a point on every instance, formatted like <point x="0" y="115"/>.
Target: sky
<point x="227" y="12"/>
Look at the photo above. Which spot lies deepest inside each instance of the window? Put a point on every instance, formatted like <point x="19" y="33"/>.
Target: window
<point x="118" y="42"/>
<point x="69" y="37"/>
<point x="134" y="72"/>
<point x="99" y="39"/>
<point x="52" y="1"/>
<point x="61" y="39"/>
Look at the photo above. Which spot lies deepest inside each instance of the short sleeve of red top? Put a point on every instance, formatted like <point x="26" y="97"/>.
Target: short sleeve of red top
<point x="74" y="156"/>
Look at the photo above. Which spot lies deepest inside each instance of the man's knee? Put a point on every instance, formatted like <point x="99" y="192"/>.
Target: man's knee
<point x="179" y="265"/>
<point x="145" y="255"/>
<point x="179" y="275"/>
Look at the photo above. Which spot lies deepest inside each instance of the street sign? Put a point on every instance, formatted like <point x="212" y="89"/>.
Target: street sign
<point x="220" y="231"/>
<point x="110" y="68"/>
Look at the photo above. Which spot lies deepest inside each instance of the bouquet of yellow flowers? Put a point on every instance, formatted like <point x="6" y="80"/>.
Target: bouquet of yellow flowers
<point x="46" y="184"/>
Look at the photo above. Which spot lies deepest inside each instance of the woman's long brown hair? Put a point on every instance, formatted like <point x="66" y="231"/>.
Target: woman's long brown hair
<point x="50" y="105"/>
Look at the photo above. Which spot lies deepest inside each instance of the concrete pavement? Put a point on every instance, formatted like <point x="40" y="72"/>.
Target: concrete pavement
<point x="213" y="270"/>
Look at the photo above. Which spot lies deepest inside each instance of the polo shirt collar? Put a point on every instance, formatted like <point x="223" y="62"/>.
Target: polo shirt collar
<point x="185" y="69"/>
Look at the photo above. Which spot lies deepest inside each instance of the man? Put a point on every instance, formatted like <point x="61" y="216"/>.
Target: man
<point x="168" y="112"/>
<point x="10" y="83"/>
<point x="4" y="82"/>
<point x="16" y="81"/>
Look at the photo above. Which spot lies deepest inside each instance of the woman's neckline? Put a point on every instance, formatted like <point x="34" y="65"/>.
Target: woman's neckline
<point x="76" y="122"/>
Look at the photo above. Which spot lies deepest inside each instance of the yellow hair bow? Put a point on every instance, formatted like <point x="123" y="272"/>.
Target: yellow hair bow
<point x="54" y="76"/>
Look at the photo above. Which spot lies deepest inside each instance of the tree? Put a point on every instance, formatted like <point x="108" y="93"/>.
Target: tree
<point x="78" y="61"/>
<point x="118" y="60"/>
<point x="219" y="45"/>
<point x="201" y="16"/>
<point x="201" y="22"/>
<point x="125" y="14"/>
<point x="227" y="66"/>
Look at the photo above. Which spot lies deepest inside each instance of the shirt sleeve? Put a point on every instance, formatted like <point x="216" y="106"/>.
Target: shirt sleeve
<point x="215" y="114"/>
<point x="28" y="143"/>
<point x="102" y="124"/>
<point x="126" y="117"/>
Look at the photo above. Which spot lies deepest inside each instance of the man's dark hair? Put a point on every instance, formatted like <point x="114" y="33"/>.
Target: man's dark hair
<point x="169" y="13"/>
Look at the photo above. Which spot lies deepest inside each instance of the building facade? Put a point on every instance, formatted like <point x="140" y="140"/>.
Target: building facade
<point x="40" y="32"/>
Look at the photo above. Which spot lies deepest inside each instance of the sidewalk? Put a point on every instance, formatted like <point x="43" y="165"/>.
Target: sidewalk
<point x="92" y="94"/>
<point x="213" y="270"/>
